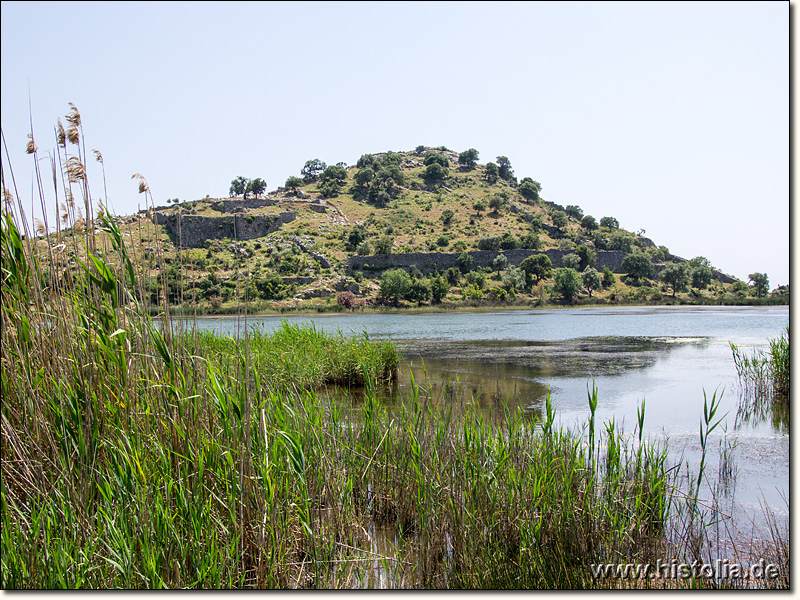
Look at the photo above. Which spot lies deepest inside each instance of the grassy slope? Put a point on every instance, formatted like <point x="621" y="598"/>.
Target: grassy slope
<point x="413" y="220"/>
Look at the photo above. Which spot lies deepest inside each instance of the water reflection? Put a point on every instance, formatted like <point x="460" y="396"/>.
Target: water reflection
<point x="519" y="371"/>
<point x="762" y="406"/>
<point x="500" y="375"/>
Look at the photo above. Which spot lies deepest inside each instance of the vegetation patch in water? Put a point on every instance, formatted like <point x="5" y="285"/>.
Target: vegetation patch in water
<point x="764" y="377"/>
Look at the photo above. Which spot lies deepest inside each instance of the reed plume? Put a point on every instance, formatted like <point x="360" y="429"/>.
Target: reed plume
<point x="30" y="148"/>
<point x="61" y="135"/>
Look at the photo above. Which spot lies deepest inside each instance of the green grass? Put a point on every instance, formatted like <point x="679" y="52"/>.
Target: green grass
<point x="304" y="357"/>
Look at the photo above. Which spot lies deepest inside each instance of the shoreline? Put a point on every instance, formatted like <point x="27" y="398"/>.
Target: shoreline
<point x="456" y="308"/>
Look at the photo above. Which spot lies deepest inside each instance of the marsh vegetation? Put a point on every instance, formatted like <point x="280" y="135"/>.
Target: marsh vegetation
<point x="145" y="454"/>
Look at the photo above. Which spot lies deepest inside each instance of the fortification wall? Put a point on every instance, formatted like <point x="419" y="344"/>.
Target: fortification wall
<point x="237" y="204"/>
<point x="434" y="261"/>
<point x="196" y="229"/>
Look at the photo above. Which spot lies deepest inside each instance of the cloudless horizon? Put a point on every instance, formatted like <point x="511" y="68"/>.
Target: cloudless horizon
<point x="672" y="117"/>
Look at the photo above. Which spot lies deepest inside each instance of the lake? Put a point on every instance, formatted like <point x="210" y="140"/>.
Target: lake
<point x="667" y="356"/>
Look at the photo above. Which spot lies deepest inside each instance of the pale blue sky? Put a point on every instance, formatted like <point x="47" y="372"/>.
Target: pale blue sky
<point x="671" y="117"/>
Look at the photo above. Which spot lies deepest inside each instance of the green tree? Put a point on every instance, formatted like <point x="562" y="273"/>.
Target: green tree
<point x="329" y="189"/>
<point x="600" y="240"/>
<point x="293" y="182"/>
<point x="362" y="179"/>
<point x="514" y="279"/>
<point x="453" y="276"/>
<point x="447" y="217"/>
<point x="257" y="186"/>
<point x="355" y="237"/>
<point x="589" y="223"/>
<point x="367" y="160"/>
<point x="239" y="186"/>
<point x="760" y="283"/>
<point x="271" y="287"/>
<point x="508" y="241"/>
<point x="571" y="261"/>
<point x="468" y="159"/>
<point x="497" y="202"/>
<point x="675" y="276"/>
<point x="567" y="283"/>
<point x="492" y="173"/>
<point x="464" y="262"/>
<point x="739" y="288"/>
<point x="386" y="184"/>
<point x="700" y="261"/>
<point x="701" y="277"/>
<point x="530" y="241"/>
<point x="395" y="284"/>
<point x="476" y="278"/>
<point x="434" y="172"/>
<point x="662" y="254"/>
<point x="500" y="262"/>
<point x="332" y="179"/>
<point x="419" y="291"/>
<point x="489" y="242"/>
<point x="574" y="211"/>
<point x="592" y="280"/>
<point x="530" y="189"/>
<point x="587" y="256"/>
<point x="609" y="222"/>
<point x="638" y="266"/>
<point x="439" y="289"/>
<point x="608" y="277"/>
<point x="333" y="173"/>
<point x="504" y="169"/>
<point x="537" y="267"/>
<point x="384" y="245"/>
<point x="620" y="241"/>
<point x="434" y="158"/>
<point x="479" y="206"/>
<point x="312" y="170"/>
<point x="559" y="219"/>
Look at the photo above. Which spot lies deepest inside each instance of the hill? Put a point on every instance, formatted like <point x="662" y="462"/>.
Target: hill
<point x="460" y="230"/>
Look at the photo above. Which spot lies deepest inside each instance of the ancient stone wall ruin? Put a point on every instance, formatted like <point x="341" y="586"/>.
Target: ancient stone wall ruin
<point x="238" y="205"/>
<point x="435" y="261"/>
<point x="194" y="230"/>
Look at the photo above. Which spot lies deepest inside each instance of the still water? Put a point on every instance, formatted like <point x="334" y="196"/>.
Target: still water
<point x="667" y="357"/>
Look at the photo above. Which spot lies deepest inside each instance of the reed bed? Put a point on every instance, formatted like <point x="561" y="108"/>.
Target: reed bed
<point x="764" y="379"/>
<point x="304" y="357"/>
<point x="138" y="455"/>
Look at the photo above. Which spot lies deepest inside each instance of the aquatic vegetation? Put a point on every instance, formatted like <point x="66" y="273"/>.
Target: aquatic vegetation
<point x="764" y="378"/>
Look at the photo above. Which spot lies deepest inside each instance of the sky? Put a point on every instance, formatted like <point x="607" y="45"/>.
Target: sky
<point x="671" y="117"/>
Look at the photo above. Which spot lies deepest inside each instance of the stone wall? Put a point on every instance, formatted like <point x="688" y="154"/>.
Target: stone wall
<point x="237" y="204"/>
<point x="434" y="261"/>
<point x="196" y="229"/>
